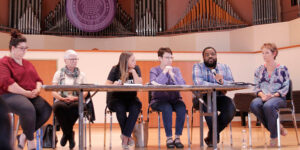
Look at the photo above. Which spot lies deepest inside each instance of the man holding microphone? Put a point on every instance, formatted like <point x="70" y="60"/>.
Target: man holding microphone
<point x="212" y="73"/>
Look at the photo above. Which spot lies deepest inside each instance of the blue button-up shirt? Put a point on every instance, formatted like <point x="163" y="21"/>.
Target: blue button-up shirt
<point x="277" y="82"/>
<point x="203" y="75"/>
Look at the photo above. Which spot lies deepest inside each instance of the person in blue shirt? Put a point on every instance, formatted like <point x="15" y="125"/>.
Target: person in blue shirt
<point x="272" y="84"/>
<point x="166" y="102"/>
<point x="212" y="73"/>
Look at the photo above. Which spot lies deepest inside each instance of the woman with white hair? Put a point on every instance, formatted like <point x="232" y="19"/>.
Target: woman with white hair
<point x="65" y="107"/>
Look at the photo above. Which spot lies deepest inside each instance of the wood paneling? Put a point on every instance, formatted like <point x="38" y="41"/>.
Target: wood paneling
<point x="4" y="12"/>
<point x="186" y="68"/>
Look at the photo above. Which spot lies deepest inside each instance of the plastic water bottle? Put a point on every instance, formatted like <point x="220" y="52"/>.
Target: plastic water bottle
<point x="244" y="139"/>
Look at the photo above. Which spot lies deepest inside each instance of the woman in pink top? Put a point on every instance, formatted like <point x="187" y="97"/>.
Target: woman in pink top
<point x="20" y="86"/>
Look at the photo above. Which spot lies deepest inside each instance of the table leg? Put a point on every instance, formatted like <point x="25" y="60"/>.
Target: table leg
<point x="214" y="117"/>
<point x="201" y="124"/>
<point x="80" y="111"/>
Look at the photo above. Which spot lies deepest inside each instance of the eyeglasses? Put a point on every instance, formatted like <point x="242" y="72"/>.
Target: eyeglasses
<point x="209" y="54"/>
<point x="168" y="57"/>
<point x="22" y="48"/>
<point x="73" y="59"/>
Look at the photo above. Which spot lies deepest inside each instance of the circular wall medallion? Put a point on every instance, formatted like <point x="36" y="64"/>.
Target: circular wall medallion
<point x="90" y="15"/>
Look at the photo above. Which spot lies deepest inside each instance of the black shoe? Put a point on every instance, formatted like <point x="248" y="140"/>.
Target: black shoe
<point x="178" y="143"/>
<point x="170" y="144"/>
<point x="72" y="141"/>
<point x="63" y="140"/>
<point x="208" y="141"/>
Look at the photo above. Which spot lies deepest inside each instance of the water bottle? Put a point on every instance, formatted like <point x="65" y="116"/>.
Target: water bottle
<point x="244" y="139"/>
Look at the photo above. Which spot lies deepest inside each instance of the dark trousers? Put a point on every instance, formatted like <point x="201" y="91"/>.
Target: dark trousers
<point x="167" y="108"/>
<point x="33" y="113"/>
<point x="5" y="130"/>
<point x="66" y="114"/>
<point x="133" y="106"/>
<point x="227" y="111"/>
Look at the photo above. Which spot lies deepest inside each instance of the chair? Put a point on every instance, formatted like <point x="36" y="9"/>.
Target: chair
<point x="149" y="111"/>
<point x="290" y="108"/>
<point x="198" y="97"/>
<point x="242" y="102"/>
<point x="14" y="132"/>
<point x="88" y="115"/>
<point x="108" y="111"/>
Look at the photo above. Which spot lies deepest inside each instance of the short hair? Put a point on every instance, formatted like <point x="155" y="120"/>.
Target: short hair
<point x="206" y="48"/>
<point x="163" y="50"/>
<point x="69" y="52"/>
<point x="272" y="47"/>
<point x="16" y="38"/>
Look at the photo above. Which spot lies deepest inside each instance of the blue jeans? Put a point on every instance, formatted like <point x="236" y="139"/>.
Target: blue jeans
<point x="227" y="111"/>
<point x="167" y="108"/>
<point x="266" y="112"/>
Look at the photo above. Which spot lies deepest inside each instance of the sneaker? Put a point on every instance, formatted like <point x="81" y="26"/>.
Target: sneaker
<point x="124" y="144"/>
<point x="21" y="142"/>
<point x="273" y="142"/>
<point x="131" y="141"/>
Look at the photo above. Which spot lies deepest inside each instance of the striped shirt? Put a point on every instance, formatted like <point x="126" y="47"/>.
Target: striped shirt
<point x="203" y="75"/>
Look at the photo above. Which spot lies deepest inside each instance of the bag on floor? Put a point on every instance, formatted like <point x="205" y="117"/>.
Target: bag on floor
<point x="47" y="136"/>
<point x="140" y="133"/>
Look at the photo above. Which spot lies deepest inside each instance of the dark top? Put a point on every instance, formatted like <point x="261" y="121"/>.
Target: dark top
<point x="115" y="75"/>
<point x="24" y="75"/>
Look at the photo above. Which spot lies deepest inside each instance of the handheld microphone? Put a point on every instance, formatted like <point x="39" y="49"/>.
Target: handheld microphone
<point x="215" y="73"/>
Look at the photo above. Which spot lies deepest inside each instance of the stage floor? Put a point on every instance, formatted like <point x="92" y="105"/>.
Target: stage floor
<point x="288" y="142"/>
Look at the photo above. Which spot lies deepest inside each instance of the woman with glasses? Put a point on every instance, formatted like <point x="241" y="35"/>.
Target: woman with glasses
<point x="167" y="102"/>
<point x="65" y="107"/>
<point x="20" y="86"/>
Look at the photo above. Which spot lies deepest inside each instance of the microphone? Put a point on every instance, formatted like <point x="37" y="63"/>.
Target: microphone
<point x="214" y="72"/>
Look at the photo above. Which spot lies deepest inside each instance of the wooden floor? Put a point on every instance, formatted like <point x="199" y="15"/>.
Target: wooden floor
<point x="288" y="142"/>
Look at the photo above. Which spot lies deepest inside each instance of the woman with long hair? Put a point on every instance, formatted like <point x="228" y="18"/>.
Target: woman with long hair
<point x="125" y="72"/>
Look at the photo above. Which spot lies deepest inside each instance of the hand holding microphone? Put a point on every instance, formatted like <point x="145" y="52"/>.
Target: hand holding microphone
<point x="218" y="77"/>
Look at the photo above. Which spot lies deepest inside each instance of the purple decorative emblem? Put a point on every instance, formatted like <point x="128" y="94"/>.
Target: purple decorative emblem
<point x="91" y="15"/>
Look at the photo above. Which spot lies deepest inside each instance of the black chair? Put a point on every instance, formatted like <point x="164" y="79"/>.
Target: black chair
<point x="290" y="108"/>
<point x="88" y="114"/>
<point x="149" y="111"/>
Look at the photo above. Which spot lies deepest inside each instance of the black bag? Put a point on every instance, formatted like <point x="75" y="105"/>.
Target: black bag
<point x="47" y="136"/>
<point x="90" y="108"/>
